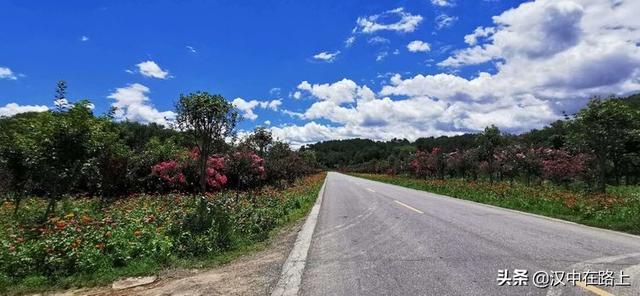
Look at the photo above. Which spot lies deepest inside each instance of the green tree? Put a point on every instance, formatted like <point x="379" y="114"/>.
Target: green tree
<point x="605" y="128"/>
<point x="488" y="142"/>
<point x="209" y="119"/>
<point x="260" y="140"/>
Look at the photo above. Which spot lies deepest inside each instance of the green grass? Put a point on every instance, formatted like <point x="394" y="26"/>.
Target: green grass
<point x="619" y="209"/>
<point x="285" y="208"/>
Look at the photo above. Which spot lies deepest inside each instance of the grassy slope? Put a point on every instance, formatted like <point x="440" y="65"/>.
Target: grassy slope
<point x="305" y="192"/>
<point x="618" y="210"/>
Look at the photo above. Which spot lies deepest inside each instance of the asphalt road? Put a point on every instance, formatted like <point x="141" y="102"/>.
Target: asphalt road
<point x="378" y="239"/>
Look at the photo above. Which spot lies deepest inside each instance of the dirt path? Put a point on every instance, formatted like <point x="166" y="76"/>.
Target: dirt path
<point x="254" y="274"/>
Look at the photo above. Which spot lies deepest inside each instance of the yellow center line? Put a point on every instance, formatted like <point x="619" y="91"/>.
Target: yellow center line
<point x="409" y="207"/>
<point x="593" y="289"/>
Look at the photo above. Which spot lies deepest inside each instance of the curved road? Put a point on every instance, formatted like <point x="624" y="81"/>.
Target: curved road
<point x="378" y="239"/>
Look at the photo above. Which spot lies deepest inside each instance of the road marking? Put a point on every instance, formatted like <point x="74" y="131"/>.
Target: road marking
<point x="291" y="276"/>
<point x="371" y="190"/>
<point x="409" y="207"/>
<point x="591" y="264"/>
<point x="593" y="289"/>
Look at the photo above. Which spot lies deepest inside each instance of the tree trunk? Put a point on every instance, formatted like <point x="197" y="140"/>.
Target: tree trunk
<point x="602" y="174"/>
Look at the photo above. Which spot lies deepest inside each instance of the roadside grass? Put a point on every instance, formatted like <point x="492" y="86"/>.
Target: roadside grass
<point x="618" y="209"/>
<point x="143" y="225"/>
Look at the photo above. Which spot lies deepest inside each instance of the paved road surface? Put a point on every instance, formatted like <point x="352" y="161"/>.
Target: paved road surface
<point x="378" y="239"/>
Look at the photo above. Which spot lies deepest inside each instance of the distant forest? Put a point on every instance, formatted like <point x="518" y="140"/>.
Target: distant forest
<point x="395" y="156"/>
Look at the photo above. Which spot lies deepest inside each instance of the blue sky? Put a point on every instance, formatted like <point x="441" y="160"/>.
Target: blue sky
<point x="140" y="55"/>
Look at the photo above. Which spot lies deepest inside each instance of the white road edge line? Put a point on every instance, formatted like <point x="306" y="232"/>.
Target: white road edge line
<point x="371" y="190"/>
<point x="291" y="276"/>
<point x="409" y="207"/>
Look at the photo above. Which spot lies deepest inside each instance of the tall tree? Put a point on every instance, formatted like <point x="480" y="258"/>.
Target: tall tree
<point x="488" y="143"/>
<point x="261" y="139"/>
<point x="209" y="119"/>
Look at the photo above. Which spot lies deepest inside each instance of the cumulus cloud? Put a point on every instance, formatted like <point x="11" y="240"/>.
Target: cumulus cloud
<point x="247" y="106"/>
<point x="84" y="38"/>
<point x="480" y="32"/>
<point x="13" y="109"/>
<point x="132" y="103"/>
<point x="6" y="73"/>
<point x="418" y="46"/>
<point x="326" y="56"/>
<point x="343" y="91"/>
<point x="559" y="50"/>
<point x="151" y="69"/>
<point x="402" y="21"/>
<point x="540" y="29"/>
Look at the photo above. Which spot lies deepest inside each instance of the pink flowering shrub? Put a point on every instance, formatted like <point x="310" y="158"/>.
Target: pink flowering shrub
<point x="245" y="169"/>
<point x="561" y="167"/>
<point x="182" y="174"/>
<point x="170" y="171"/>
<point x="429" y="164"/>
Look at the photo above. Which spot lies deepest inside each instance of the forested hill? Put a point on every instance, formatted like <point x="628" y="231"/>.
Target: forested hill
<point x="369" y="155"/>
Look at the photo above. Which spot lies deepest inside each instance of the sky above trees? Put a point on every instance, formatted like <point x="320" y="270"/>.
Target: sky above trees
<point x="319" y="70"/>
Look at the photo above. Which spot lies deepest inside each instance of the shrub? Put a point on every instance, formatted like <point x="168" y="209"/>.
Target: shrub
<point x="182" y="174"/>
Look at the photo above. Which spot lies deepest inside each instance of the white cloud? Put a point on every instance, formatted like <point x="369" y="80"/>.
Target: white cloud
<point x="343" y="91"/>
<point x="560" y="50"/>
<point x="326" y="56"/>
<point x="247" y="106"/>
<point x="151" y="69"/>
<point x="297" y="95"/>
<point x="480" y="32"/>
<point x="378" y="40"/>
<point x="275" y="91"/>
<point x="381" y="55"/>
<point x="267" y="122"/>
<point x="418" y="46"/>
<point x="13" y="109"/>
<point x="84" y="38"/>
<point x="405" y="22"/>
<point x="445" y="21"/>
<point x="191" y="49"/>
<point x="442" y="3"/>
<point x="349" y="41"/>
<point x="544" y="28"/>
<point x="132" y="103"/>
<point x="6" y="73"/>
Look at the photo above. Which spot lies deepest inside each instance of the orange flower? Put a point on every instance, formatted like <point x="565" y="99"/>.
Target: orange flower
<point x="85" y="219"/>
<point x="137" y="233"/>
<point x="60" y="224"/>
<point x="100" y="246"/>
